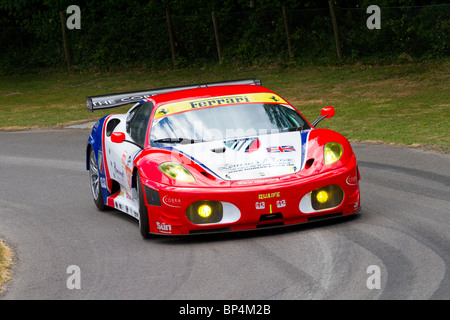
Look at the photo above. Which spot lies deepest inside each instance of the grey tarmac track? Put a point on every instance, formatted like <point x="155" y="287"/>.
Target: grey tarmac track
<point x="49" y="219"/>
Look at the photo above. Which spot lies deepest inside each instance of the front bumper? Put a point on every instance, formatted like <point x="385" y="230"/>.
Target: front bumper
<point x="252" y="204"/>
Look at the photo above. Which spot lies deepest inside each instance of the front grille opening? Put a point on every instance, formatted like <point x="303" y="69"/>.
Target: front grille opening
<point x="270" y="216"/>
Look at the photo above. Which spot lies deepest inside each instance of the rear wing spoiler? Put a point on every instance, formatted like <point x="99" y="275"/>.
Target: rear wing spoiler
<point x="121" y="99"/>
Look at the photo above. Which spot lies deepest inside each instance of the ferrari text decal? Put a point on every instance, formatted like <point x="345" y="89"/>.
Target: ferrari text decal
<point x="181" y="106"/>
<point x="218" y="102"/>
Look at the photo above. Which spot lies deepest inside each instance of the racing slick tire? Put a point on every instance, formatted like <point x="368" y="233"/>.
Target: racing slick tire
<point x="94" y="178"/>
<point x="144" y="225"/>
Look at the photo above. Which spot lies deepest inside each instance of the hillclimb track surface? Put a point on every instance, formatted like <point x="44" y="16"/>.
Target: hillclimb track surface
<point x="48" y="218"/>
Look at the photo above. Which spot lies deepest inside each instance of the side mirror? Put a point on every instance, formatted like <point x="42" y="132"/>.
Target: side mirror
<point x="326" y="112"/>
<point x="117" y="137"/>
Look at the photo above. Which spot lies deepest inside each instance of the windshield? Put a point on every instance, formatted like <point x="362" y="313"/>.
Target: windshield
<point x="226" y="122"/>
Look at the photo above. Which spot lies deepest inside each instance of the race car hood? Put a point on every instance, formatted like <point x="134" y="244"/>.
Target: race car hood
<point x="262" y="156"/>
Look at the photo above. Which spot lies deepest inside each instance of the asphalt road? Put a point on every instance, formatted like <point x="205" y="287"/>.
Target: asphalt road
<point x="49" y="219"/>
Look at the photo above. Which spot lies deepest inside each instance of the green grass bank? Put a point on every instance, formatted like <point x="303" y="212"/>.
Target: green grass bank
<point x="406" y="104"/>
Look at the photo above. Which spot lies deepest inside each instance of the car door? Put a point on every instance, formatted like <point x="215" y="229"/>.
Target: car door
<point x="136" y="128"/>
<point x="121" y="155"/>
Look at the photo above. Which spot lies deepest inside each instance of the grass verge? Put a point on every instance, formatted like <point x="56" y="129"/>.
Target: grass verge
<point x="6" y="260"/>
<point x="405" y="104"/>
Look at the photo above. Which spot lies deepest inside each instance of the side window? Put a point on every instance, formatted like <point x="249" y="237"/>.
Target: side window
<point x="137" y="122"/>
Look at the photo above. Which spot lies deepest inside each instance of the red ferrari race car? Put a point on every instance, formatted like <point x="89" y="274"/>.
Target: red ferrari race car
<point x="214" y="157"/>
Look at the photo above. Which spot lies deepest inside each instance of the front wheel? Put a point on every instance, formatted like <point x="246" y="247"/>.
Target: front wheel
<point x="144" y="225"/>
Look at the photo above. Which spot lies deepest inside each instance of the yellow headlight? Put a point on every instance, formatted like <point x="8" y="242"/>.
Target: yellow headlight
<point x="322" y="196"/>
<point x="204" y="211"/>
<point x="326" y="197"/>
<point x="332" y="152"/>
<point x="176" y="171"/>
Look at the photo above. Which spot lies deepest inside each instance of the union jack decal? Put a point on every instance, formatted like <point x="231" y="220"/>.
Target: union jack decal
<point x="280" y="149"/>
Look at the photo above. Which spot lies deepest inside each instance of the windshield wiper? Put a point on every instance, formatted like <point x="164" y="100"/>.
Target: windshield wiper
<point x="177" y="140"/>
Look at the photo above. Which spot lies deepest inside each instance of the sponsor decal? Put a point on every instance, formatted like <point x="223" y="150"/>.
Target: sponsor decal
<point x="100" y="161"/>
<point x="275" y="99"/>
<point x="127" y="162"/>
<point x="126" y="159"/>
<point x="280" y="149"/>
<point x="172" y="202"/>
<point x="162" y="111"/>
<point x="269" y="195"/>
<point x="258" y="165"/>
<point x="268" y="180"/>
<point x="125" y="208"/>
<point x="103" y="182"/>
<point x="281" y="203"/>
<point x="260" y="205"/>
<point x="117" y="171"/>
<point x="163" y="227"/>
<point x="113" y="102"/>
<point x="352" y="180"/>
<point x="247" y="145"/>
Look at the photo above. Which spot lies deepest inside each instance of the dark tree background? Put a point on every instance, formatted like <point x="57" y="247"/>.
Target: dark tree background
<point x="118" y="33"/>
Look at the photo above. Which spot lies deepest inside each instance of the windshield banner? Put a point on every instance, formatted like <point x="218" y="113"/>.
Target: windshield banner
<point x="182" y="106"/>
